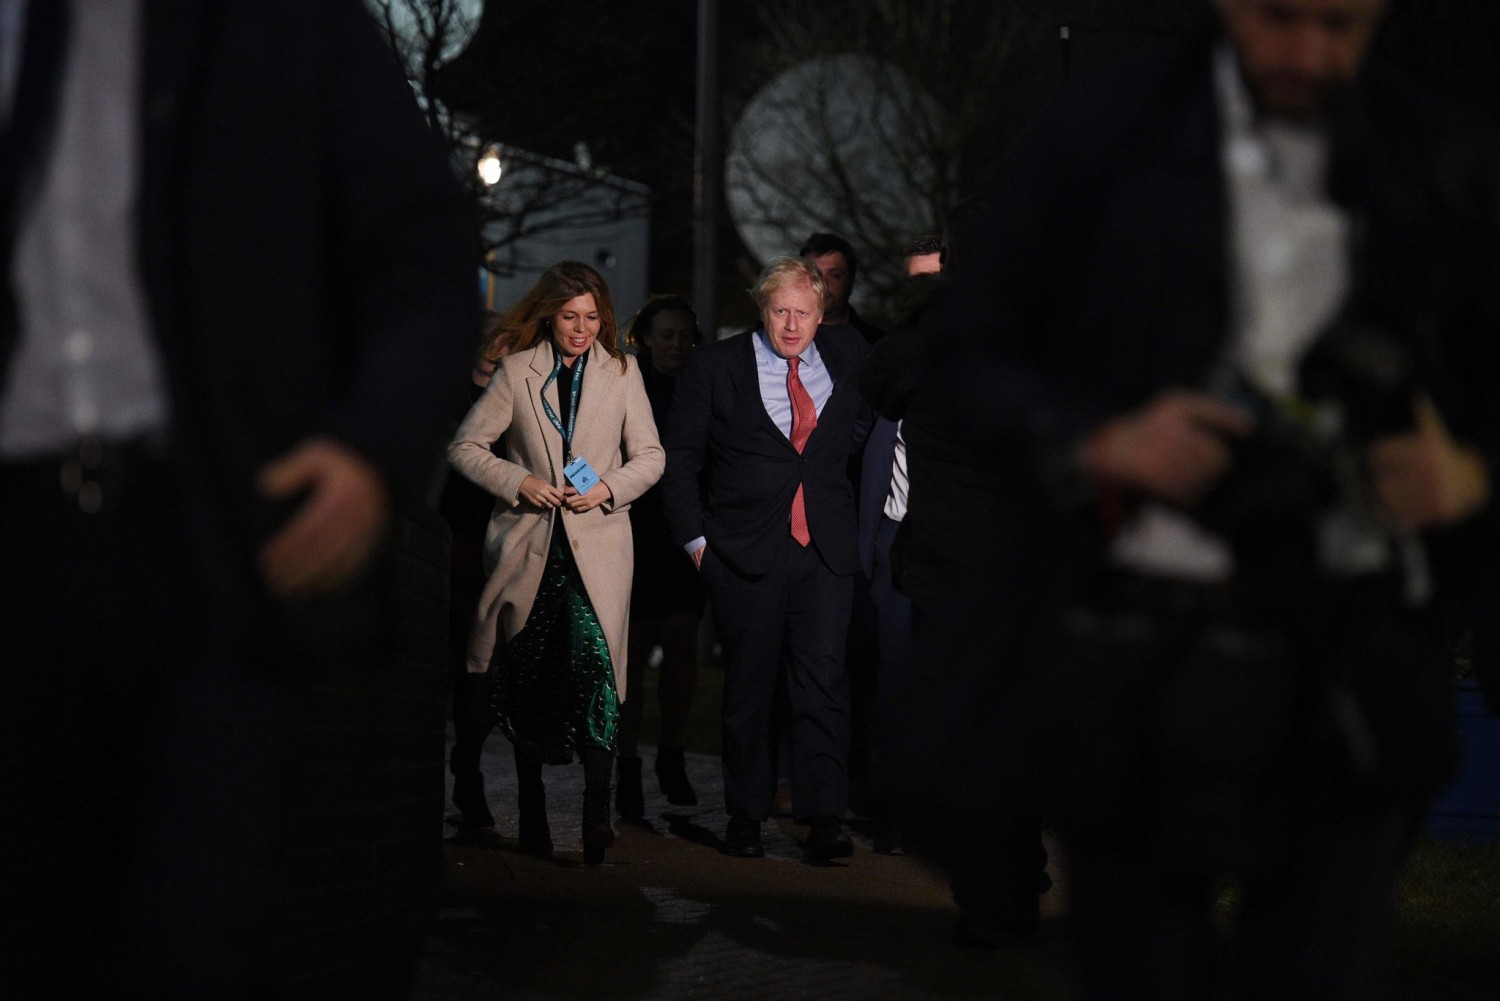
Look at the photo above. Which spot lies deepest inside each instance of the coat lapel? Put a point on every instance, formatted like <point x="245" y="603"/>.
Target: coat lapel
<point x="541" y="367"/>
<point x="593" y="437"/>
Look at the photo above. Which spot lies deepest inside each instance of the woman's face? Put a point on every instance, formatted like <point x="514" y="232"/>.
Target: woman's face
<point x="670" y="340"/>
<point x="575" y="326"/>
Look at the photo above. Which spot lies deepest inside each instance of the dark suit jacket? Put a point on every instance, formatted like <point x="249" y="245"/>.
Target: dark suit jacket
<point x="307" y="255"/>
<point x="874" y="485"/>
<point x="1101" y="278"/>
<point x="719" y="430"/>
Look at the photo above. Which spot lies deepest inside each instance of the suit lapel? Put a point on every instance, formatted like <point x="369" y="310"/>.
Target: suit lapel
<point x="837" y="366"/>
<point x="745" y="376"/>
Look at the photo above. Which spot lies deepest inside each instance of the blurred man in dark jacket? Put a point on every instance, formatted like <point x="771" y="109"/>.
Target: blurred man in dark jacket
<point x="237" y="294"/>
<point x="1225" y="406"/>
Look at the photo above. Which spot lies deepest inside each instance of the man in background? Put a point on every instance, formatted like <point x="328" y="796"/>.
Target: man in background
<point x="836" y="261"/>
<point x="926" y="255"/>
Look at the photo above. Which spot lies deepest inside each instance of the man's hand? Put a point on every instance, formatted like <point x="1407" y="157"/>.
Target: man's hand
<point x="578" y="503"/>
<point x="1173" y="448"/>
<point x="698" y="558"/>
<point x="1425" y="478"/>
<point x="334" y="530"/>
<point x="539" y="493"/>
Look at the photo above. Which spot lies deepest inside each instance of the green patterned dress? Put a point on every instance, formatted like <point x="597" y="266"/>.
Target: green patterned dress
<point x="555" y="686"/>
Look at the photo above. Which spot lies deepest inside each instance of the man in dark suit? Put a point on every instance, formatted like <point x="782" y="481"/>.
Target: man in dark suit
<point x="236" y="290"/>
<point x="960" y="784"/>
<point x="883" y="491"/>
<point x="757" y="489"/>
<point x="1232" y="406"/>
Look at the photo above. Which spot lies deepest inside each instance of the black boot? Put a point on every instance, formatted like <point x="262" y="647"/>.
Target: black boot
<point x="671" y="772"/>
<point x="468" y="796"/>
<point x="531" y="800"/>
<point x="630" y="799"/>
<point x="597" y="834"/>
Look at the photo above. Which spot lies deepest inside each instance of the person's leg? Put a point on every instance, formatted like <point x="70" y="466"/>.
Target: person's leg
<point x="679" y="674"/>
<point x="630" y="797"/>
<point x="126" y="710"/>
<point x="472" y="722"/>
<point x="679" y="678"/>
<point x="749" y="612"/>
<point x="961" y="784"/>
<point x="472" y="719"/>
<point x="534" y="834"/>
<point x="817" y="620"/>
<point x="893" y="621"/>
<point x="598" y="835"/>
<point x="645" y="633"/>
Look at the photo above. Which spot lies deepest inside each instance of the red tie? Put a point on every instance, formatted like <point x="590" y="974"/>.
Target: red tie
<point x="804" y="419"/>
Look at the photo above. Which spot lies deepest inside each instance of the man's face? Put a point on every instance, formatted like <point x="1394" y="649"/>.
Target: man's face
<point x="791" y="317"/>
<point x="924" y="264"/>
<point x="1295" y="54"/>
<point x="835" y="272"/>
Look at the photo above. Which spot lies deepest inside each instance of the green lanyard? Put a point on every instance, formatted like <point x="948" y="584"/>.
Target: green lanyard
<point x="567" y="433"/>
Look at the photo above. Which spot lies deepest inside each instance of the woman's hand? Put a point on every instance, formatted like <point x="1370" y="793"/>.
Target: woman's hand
<point x="540" y="493"/>
<point x="578" y="503"/>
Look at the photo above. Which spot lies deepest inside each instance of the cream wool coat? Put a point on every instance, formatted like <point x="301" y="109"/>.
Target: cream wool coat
<point x="615" y="432"/>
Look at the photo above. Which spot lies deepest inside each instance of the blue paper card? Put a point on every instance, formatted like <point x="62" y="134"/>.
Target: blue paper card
<point x="581" y="474"/>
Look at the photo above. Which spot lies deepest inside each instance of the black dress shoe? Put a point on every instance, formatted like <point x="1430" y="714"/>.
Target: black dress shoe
<point x="826" y="839"/>
<point x="671" y="773"/>
<point x="742" y="837"/>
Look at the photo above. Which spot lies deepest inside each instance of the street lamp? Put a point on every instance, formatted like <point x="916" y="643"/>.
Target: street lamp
<point x="490" y="167"/>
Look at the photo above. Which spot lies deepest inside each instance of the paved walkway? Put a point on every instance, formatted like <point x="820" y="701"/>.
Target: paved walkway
<point x="668" y="916"/>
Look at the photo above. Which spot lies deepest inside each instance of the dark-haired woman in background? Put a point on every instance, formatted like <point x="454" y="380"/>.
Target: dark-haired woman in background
<point x="668" y="598"/>
<point x="558" y="551"/>
<point x="467" y="508"/>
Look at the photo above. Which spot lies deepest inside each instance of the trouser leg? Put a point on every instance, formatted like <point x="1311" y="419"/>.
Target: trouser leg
<point x="817" y="622"/>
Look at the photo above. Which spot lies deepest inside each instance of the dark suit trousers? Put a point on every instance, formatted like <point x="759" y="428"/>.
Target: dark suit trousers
<point x="893" y="627"/>
<point x="142" y="759"/>
<point x="797" y="613"/>
<point x="963" y="784"/>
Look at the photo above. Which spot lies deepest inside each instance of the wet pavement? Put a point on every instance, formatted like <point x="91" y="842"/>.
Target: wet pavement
<point x="668" y="916"/>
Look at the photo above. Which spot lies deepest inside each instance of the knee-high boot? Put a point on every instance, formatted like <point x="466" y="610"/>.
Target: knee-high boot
<point x="597" y="832"/>
<point x="531" y="801"/>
